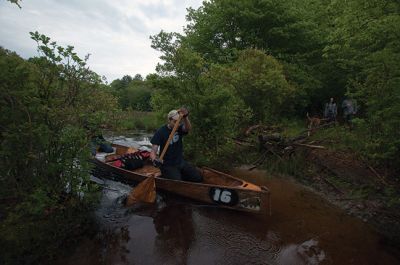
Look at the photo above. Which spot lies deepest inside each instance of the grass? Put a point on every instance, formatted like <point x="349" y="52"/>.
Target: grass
<point x="340" y="138"/>
<point x="136" y="120"/>
<point x="292" y="128"/>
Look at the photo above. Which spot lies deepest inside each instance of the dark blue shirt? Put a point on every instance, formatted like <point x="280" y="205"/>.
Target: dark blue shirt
<point x="174" y="155"/>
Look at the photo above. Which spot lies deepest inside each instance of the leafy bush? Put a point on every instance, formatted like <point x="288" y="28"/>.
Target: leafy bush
<point x="48" y="106"/>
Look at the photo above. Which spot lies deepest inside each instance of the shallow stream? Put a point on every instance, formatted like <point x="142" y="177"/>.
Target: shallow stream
<point x="303" y="229"/>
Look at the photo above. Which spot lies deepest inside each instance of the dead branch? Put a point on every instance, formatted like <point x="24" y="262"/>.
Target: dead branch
<point x="377" y="174"/>
<point x="311" y="146"/>
<point x="278" y="156"/>
<point x="261" y="158"/>
<point x="259" y="161"/>
<point x="251" y="128"/>
<point x="243" y="143"/>
<point x="318" y="127"/>
<point x="331" y="184"/>
<point x="260" y="127"/>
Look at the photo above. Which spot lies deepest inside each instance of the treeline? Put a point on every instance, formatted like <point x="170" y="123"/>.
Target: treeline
<point x="244" y="62"/>
<point x="133" y="93"/>
<point x="48" y="112"/>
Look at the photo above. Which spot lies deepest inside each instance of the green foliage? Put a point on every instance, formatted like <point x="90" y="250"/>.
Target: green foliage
<point x="215" y="110"/>
<point x="289" y="31"/>
<point x="132" y="93"/>
<point x="293" y="56"/>
<point x="219" y="44"/>
<point x="49" y="106"/>
<point x="137" y="120"/>
<point x="139" y="98"/>
<point x="222" y="98"/>
<point x="365" y="46"/>
<point x="220" y="27"/>
<point x="259" y="80"/>
<point x="296" y="165"/>
<point x="25" y="240"/>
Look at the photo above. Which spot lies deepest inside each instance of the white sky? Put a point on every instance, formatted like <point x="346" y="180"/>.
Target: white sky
<point x="115" y="32"/>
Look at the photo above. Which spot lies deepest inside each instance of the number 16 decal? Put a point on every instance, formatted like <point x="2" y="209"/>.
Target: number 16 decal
<point x="223" y="196"/>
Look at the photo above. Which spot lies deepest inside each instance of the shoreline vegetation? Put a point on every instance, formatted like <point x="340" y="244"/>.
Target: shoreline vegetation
<point x="338" y="171"/>
<point x="139" y="120"/>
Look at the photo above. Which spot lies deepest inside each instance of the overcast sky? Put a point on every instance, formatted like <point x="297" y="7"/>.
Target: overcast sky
<point x="115" y="32"/>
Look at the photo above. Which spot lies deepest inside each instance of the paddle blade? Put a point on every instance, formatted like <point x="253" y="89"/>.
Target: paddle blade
<point x="145" y="191"/>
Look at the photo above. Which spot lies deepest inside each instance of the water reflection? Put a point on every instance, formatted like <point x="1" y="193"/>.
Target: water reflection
<point x="175" y="233"/>
<point x="114" y="245"/>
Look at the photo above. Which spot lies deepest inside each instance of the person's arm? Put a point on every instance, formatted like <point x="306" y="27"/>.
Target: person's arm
<point x="187" y="126"/>
<point x="153" y="152"/>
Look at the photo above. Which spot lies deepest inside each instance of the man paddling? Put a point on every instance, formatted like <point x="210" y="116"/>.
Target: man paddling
<point x="173" y="166"/>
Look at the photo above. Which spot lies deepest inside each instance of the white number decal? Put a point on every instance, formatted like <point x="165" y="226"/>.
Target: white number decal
<point x="224" y="196"/>
<point x="216" y="194"/>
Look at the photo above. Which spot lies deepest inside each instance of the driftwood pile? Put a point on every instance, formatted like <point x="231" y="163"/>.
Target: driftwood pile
<point x="272" y="142"/>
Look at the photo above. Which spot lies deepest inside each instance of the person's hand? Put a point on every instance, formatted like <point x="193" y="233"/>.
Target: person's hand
<point x="153" y="155"/>
<point x="157" y="163"/>
<point x="184" y="112"/>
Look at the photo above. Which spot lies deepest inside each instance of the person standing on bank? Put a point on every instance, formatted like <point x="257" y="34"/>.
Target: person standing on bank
<point x="173" y="165"/>
<point x="330" y="111"/>
<point x="349" y="110"/>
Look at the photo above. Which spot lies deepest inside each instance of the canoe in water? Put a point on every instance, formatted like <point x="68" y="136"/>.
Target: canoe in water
<point x="218" y="188"/>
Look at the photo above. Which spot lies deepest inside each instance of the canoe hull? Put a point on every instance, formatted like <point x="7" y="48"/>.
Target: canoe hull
<point x="222" y="190"/>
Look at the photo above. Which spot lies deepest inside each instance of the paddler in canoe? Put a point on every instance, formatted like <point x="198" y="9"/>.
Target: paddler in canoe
<point x="172" y="164"/>
<point x="211" y="186"/>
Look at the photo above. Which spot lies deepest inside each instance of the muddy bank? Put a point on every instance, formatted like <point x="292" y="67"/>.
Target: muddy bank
<point x="356" y="187"/>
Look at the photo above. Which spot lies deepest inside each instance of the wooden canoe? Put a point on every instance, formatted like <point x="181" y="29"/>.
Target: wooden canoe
<point x="217" y="188"/>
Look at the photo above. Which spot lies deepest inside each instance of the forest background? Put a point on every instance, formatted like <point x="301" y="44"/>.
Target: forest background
<point x="238" y="63"/>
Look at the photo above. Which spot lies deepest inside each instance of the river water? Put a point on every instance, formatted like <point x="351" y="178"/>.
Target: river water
<point x="303" y="229"/>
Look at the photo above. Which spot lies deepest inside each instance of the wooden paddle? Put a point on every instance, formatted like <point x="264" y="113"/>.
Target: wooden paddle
<point x="145" y="191"/>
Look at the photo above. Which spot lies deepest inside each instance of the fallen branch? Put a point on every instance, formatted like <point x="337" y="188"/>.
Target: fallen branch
<point x="318" y="127"/>
<point x="243" y="143"/>
<point x="259" y="160"/>
<point x="278" y="156"/>
<point x="376" y="174"/>
<point x="260" y="127"/>
<point x="331" y="184"/>
<point x="251" y="128"/>
<point x="311" y="146"/>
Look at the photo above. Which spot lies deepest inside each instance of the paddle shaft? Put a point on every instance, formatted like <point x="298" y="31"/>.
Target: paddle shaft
<point x="171" y="135"/>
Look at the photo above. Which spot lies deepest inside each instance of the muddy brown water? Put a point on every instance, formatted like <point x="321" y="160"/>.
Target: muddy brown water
<point x="303" y="229"/>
